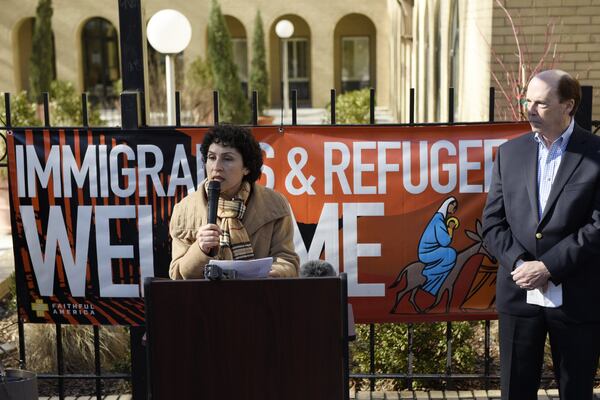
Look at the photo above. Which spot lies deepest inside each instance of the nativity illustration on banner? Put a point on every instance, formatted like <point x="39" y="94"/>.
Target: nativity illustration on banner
<point x="432" y="279"/>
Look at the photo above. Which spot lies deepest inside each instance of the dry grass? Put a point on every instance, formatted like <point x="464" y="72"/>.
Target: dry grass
<point x="78" y="348"/>
<point x="78" y="351"/>
<point x="9" y="339"/>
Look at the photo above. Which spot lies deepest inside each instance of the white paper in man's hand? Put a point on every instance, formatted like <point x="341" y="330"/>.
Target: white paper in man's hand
<point x="247" y="269"/>
<point x="551" y="298"/>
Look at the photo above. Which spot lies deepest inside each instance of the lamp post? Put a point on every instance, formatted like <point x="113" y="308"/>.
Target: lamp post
<point x="169" y="32"/>
<point x="285" y="30"/>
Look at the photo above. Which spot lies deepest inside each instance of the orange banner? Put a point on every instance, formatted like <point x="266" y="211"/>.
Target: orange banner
<point x="396" y="208"/>
<point x="364" y="197"/>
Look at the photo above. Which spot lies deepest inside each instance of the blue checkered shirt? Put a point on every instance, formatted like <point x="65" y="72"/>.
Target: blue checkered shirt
<point x="548" y="163"/>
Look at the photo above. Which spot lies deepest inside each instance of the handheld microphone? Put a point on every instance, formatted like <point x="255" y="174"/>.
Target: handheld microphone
<point x="213" y="192"/>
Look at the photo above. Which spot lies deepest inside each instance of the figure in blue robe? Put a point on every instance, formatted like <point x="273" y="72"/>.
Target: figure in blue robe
<point x="434" y="248"/>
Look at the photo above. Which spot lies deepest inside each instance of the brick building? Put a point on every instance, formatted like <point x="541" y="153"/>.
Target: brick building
<point x="575" y="45"/>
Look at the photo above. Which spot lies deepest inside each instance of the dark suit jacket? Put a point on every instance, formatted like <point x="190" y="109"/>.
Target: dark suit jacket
<point x="566" y="239"/>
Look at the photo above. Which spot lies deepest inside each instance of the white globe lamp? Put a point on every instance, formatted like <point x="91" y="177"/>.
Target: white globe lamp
<point x="285" y="29"/>
<point x="169" y="32"/>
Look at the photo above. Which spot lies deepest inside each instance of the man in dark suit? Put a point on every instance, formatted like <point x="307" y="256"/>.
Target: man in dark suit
<point x="542" y="221"/>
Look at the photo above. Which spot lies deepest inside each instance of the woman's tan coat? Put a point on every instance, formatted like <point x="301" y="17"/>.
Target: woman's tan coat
<point x="267" y="220"/>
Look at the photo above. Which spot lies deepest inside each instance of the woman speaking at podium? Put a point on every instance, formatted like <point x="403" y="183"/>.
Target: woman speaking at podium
<point x="252" y="220"/>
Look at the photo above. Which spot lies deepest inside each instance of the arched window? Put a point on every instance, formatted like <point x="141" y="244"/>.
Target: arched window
<point x="100" y="60"/>
<point x="239" y="43"/>
<point x="24" y="38"/>
<point x="354" y="53"/>
<point x="299" y="63"/>
<point x="23" y="42"/>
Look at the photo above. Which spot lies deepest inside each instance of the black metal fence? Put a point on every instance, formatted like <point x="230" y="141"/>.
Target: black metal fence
<point x="133" y="116"/>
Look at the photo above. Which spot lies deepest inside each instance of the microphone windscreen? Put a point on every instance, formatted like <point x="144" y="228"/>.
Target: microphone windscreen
<point x="317" y="268"/>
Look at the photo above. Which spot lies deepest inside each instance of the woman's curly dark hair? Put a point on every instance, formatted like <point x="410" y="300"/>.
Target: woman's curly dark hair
<point x="241" y="139"/>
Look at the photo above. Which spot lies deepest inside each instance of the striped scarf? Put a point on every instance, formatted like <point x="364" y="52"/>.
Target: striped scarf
<point x="234" y="241"/>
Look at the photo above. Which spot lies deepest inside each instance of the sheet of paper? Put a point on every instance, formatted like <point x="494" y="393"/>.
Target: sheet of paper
<point x="247" y="269"/>
<point x="551" y="298"/>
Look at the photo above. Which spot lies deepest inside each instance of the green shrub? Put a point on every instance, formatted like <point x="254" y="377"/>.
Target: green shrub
<point x="429" y="352"/>
<point x="351" y="108"/>
<point x="22" y="111"/>
<point x="197" y="96"/>
<point x="233" y="105"/>
<point x="259" y="77"/>
<point x="200" y="74"/>
<point x="41" y="62"/>
<point x="65" y="106"/>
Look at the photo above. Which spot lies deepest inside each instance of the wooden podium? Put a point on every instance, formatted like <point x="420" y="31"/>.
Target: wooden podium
<point x="247" y="339"/>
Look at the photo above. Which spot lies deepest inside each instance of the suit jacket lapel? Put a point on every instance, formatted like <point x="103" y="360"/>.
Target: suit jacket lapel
<point x="531" y="159"/>
<point x="570" y="160"/>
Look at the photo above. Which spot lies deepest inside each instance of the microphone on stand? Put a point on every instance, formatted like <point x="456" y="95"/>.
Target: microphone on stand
<point x="316" y="268"/>
<point x="213" y="192"/>
<point x="320" y="268"/>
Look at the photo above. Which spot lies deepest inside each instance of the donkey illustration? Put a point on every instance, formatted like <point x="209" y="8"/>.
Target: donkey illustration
<point x="415" y="278"/>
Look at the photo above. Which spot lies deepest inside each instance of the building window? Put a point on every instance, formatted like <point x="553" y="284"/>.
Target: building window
<point x="298" y="67"/>
<point x="356" y="71"/>
<point x="240" y="58"/>
<point x="100" y="61"/>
